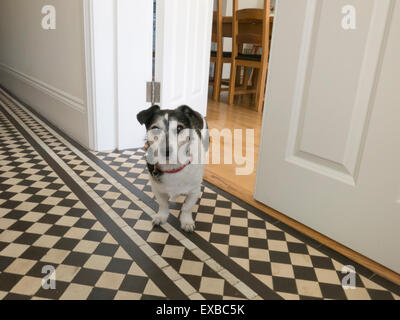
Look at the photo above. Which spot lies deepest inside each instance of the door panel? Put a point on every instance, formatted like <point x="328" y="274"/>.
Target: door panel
<point x="322" y="110"/>
<point x="329" y="153"/>
<point x="183" y="52"/>
<point x="333" y="86"/>
<point x="134" y="67"/>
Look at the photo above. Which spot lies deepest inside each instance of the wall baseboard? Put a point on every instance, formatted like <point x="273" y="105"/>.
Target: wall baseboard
<point x="66" y="112"/>
<point x="62" y="96"/>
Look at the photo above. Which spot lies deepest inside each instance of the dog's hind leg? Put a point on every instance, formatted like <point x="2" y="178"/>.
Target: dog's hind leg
<point x="186" y="218"/>
<point x="163" y="210"/>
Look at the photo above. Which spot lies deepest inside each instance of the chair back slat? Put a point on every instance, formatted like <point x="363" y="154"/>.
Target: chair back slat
<point x="250" y="15"/>
<point x="250" y="26"/>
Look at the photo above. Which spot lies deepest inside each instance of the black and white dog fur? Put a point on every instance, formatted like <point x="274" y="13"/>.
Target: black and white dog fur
<point x="173" y="176"/>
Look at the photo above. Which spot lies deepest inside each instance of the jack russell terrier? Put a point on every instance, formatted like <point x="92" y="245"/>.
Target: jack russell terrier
<point x="176" y="143"/>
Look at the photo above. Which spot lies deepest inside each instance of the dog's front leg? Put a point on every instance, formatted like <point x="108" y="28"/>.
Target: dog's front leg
<point x="163" y="210"/>
<point x="186" y="218"/>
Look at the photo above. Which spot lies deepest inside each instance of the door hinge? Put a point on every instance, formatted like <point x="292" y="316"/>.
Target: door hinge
<point x="153" y="92"/>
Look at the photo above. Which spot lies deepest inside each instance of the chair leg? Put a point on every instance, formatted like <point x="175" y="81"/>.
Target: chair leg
<point x="232" y="83"/>
<point x="251" y="76"/>
<point x="261" y="81"/>
<point x="217" y="79"/>
<point x="239" y="76"/>
<point x="246" y="78"/>
<point x="212" y="79"/>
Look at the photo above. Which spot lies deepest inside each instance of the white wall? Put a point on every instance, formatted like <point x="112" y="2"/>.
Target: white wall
<point x="46" y="68"/>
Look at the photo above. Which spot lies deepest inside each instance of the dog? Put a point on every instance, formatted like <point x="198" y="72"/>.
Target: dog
<point x="176" y="143"/>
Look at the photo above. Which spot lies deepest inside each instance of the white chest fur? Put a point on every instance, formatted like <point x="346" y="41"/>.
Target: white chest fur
<point x="182" y="182"/>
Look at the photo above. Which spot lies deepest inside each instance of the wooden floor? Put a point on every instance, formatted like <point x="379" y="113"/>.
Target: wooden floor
<point x="220" y="115"/>
<point x="242" y="115"/>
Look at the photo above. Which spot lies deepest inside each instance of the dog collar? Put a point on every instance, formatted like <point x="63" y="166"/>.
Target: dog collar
<point x="175" y="170"/>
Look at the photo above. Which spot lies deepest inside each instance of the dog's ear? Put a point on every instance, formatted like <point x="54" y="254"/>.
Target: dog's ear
<point x="146" y="115"/>
<point x="195" y="118"/>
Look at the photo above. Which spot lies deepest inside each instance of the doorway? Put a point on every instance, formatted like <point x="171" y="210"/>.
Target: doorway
<point x="239" y="116"/>
<point x="242" y="114"/>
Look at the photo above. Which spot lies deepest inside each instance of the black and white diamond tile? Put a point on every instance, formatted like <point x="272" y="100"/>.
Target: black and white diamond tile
<point x="119" y="203"/>
<point x="42" y="222"/>
<point x="133" y="216"/>
<point x="291" y="267"/>
<point x="45" y="220"/>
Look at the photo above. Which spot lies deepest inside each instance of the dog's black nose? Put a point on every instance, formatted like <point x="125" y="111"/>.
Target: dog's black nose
<point x="164" y="152"/>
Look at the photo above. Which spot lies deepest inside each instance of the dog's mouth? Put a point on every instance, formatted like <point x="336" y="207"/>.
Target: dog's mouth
<point x="169" y="165"/>
<point x="173" y="168"/>
<point x="173" y="163"/>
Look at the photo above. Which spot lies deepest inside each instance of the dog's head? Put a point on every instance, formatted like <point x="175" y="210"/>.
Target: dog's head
<point x="172" y="135"/>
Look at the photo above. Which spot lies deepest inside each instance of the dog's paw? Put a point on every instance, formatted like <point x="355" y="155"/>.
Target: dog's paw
<point x="187" y="224"/>
<point x="159" y="218"/>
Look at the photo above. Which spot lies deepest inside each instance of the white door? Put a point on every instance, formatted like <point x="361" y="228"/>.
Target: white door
<point x="183" y="34"/>
<point x="118" y="43"/>
<point x="330" y="148"/>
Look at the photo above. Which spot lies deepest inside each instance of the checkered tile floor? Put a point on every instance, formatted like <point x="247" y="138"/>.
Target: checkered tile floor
<point x="89" y="216"/>
<point x="285" y="261"/>
<point x="42" y="223"/>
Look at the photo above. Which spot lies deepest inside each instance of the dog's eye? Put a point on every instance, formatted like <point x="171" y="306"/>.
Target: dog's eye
<point x="179" y="128"/>
<point x="154" y="128"/>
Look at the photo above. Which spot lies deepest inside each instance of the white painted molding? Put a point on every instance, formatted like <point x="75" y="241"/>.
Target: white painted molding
<point x="62" y="96"/>
<point x="116" y="83"/>
<point x="99" y="36"/>
<point x="90" y="73"/>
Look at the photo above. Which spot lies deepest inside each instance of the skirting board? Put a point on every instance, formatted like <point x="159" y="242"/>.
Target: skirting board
<point x="62" y="109"/>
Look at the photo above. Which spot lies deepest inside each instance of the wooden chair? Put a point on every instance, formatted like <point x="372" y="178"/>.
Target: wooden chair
<point x="219" y="57"/>
<point x="216" y="56"/>
<point x="257" y="33"/>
